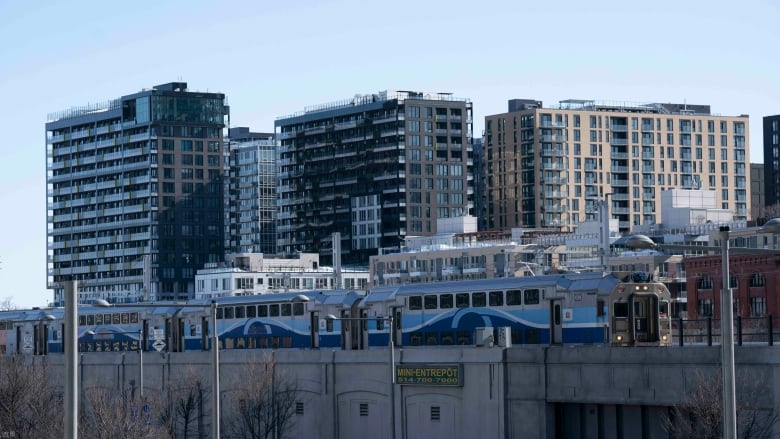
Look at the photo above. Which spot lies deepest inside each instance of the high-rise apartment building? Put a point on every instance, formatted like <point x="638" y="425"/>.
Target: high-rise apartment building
<point x="550" y="167"/>
<point x="772" y="159"/>
<point x="757" y="191"/>
<point x="252" y="192"/>
<point x="135" y="194"/>
<point x="375" y="168"/>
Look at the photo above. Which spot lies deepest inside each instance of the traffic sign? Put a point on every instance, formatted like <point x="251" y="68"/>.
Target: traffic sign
<point x="27" y="343"/>
<point x="158" y="345"/>
<point x="158" y="334"/>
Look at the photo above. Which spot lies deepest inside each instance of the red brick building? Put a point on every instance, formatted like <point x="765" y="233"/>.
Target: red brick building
<point x="755" y="280"/>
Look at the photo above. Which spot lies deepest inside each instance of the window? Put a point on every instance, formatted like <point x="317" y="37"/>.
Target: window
<point x="757" y="306"/>
<point x="430" y="301"/>
<point x="445" y="301"/>
<point x="415" y="303"/>
<point x="273" y="310"/>
<point x="496" y="298"/>
<point x="704" y="307"/>
<point x="705" y="283"/>
<point x="462" y="300"/>
<point x="478" y="300"/>
<point x="262" y="310"/>
<point x="531" y="297"/>
<point x="757" y="280"/>
<point x="514" y="297"/>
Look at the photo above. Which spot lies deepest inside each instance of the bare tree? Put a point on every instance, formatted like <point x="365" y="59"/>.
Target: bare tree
<point x="7" y="304"/>
<point x="184" y="413"/>
<point x="699" y="415"/>
<point x="109" y="414"/>
<point x="29" y="405"/>
<point x="265" y="406"/>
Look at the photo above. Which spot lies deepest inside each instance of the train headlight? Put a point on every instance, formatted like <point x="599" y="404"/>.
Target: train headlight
<point x="645" y="288"/>
<point x="664" y="337"/>
<point x="619" y="338"/>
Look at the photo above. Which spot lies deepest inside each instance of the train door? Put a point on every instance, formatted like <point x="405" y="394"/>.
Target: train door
<point x="556" y="321"/>
<point x="645" y="318"/>
<point x="363" y="339"/>
<point x="314" y="331"/>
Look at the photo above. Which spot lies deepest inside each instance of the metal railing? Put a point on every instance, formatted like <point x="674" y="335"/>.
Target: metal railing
<point x="705" y="330"/>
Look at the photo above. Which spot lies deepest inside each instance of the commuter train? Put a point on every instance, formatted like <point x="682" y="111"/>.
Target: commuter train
<point x="589" y="308"/>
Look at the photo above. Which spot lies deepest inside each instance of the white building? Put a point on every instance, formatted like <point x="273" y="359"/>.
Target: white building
<point x="251" y="273"/>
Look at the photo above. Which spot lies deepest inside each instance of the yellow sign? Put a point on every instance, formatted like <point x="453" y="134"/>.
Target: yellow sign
<point x="429" y="375"/>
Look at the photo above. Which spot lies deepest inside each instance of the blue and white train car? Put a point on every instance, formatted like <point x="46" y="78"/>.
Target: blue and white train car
<point x="561" y="308"/>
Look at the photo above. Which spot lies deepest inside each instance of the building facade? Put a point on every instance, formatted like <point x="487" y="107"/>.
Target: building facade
<point x="549" y="167"/>
<point x="757" y="192"/>
<point x="374" y="168"/>
<point x="252" y="273"/>
<point x="135" y="194"/>
<point x="252" y="191"/>
<point x="772" y="159"/>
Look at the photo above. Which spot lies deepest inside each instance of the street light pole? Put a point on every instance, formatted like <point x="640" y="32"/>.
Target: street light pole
<point x="727" y="342"/>
<point x="215" y="370"/>
<point x="71" y="358"/>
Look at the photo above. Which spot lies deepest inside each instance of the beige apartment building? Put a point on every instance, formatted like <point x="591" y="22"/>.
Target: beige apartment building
<point x="550" y="167"/>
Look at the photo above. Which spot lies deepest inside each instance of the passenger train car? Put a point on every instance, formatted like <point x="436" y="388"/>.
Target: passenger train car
<point x="550" y="309"/>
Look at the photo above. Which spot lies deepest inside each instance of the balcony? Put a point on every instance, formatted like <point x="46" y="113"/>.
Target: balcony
<point x="618" y="141"/>
<point x="619" y="182"/>
<point x="619" y="127"/>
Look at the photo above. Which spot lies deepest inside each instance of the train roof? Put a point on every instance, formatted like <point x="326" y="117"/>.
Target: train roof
<point x="569" y="282"/>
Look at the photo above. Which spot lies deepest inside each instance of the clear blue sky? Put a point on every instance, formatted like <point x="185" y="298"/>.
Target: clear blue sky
<point x="274" y="58"/>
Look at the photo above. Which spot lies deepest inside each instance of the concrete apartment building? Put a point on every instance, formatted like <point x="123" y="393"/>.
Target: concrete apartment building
<point x="373" y="168"/>
<point x="548" y="167"/>
<point x="252" y="192"/>
<point x="135" y="194"/>
<point x="757" y="191"/>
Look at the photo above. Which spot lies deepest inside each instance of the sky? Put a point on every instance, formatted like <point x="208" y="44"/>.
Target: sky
<point x="274" y="58"/>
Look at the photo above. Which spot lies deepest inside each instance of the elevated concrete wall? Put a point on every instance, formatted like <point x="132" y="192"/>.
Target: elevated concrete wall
<point x="518" y="392"/>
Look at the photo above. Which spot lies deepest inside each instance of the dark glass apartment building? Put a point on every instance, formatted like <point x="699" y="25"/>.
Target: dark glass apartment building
<point x="772" y="159"/>
<point x="374" y="168"/>
<point x="135" y="194"/>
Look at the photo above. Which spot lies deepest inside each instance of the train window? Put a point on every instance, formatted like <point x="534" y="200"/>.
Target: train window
<point x="496" y="298"/>
<point x="531" y="297"/>
<point x="415" y="303"/>
<point x="274" y="341"/>
<point x="98" y="319"/>
<point x="251" y="311"/>
<point x="125" y="318"/>
<point x="329" y="325"/>
<point x="228" y="312"/>
<point x="286" y="309"/>
<point x="262" y="342"/>
<point x="90" y="320"/>
<point x="514" y="297"/>
<point x="415" y="339"/>
<point x="431" y="301"/>
<point x="663" y="310"/>
<point x="639" y="309"/>
<point x="133" y="317"/>
<point x="240" y="312"/>
<point x="220" y="313"/>
<point x="82" y="321"/>
<point x="116" y="318"/>
<point x="432" y="338"/>
<point x="600" y="308"/>
<point x="380" y="325"/>
<point x="297" y="309"/>
<point x="533" y="336"/>
<point x="447" y="338"/>
<point x="445" y="301"/>
<point x="107" y="319"/>
<point x="517" y="336"/>
<point x="464" y="337"/>
<point x="252" y="343"/>
<point x="478" y="300"/>
<point x="273" y="310"/>
<point x="262" y="310"/>
<point x="286" y="341"/>
<point x="229" y="343"/>
<point x="621" y="309"/>
<point x="462" y="300"/>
